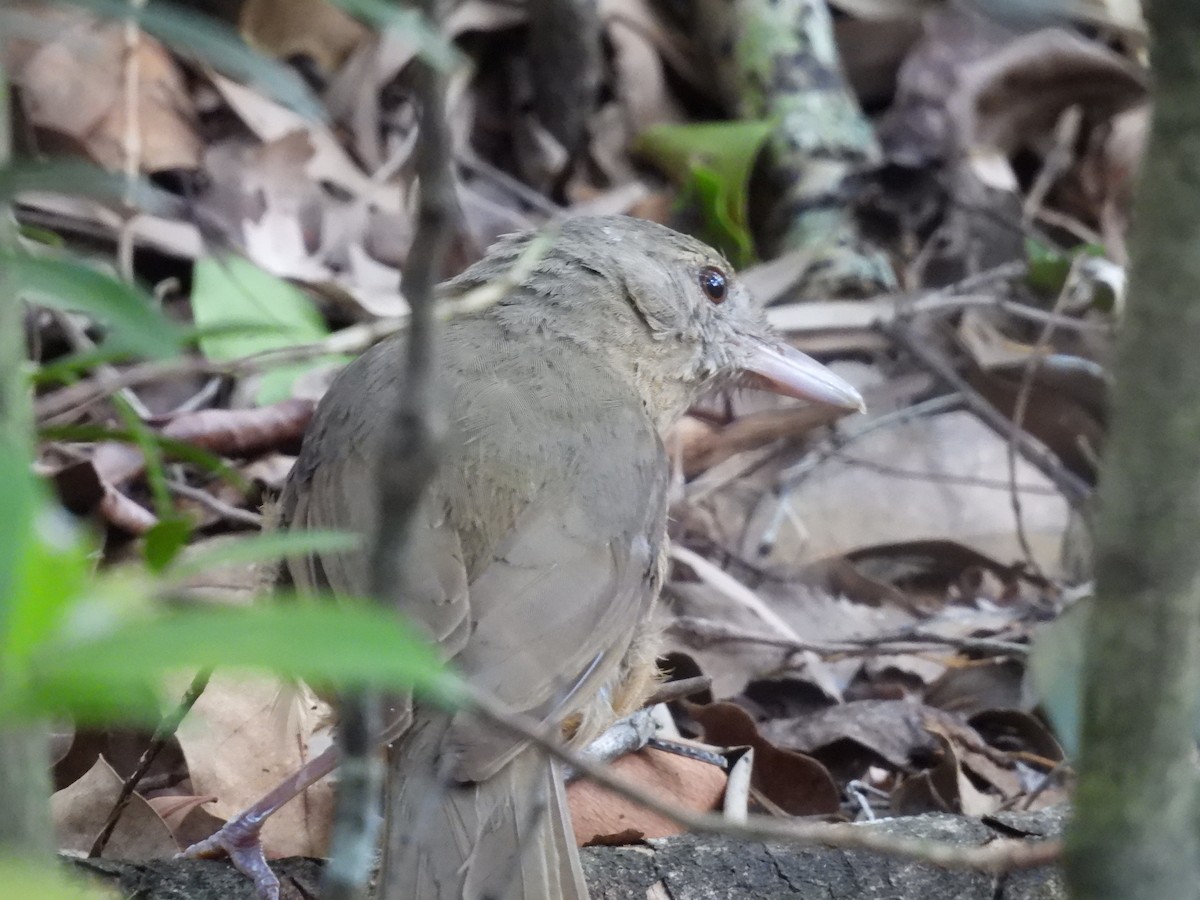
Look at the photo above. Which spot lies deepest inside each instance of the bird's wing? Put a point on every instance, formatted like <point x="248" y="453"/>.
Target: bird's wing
<point x="553" y="615"/>
<point x="552" y="605"/>
<point x="332" y="486"/>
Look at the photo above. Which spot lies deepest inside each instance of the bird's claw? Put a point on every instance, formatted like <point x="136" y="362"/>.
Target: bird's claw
<point x="238" y="839"/>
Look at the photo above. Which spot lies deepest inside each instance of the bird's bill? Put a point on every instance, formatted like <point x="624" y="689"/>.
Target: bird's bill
<point x="785" y="370"/>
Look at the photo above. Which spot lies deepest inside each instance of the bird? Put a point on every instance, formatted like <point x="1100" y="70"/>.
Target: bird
<point x="540" y="547"/>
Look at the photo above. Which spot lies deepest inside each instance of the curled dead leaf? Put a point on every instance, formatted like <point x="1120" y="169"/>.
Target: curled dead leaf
<point x="794" y="782"/>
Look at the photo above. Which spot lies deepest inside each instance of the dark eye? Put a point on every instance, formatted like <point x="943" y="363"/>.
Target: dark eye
<point x="713" y="283"/>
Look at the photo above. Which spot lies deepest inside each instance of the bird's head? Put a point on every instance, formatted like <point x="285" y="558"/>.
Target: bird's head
<point x="663" y="307"/>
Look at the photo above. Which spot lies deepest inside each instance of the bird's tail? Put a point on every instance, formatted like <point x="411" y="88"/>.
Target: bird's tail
<point x="506" y="838"/>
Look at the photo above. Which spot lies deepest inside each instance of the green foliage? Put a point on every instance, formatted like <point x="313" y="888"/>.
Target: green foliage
<point x="113" y="663"/>
<point x="165" y="446"/>
<point x="1049" y="267"/>
<point x="96" y="646"/>
<point x="246" y="310"/>
<point x="163" y="543"/>
<point x="136" y="327"/>
<point x="712" y="162"/>
<point x="82" y="179"/>
<point x="1056" y="672"/>
<point x="45" y="563"/>
<point x="26" y="880"/>
<point x="262" y="548"/>
<point x="156" y="470"/>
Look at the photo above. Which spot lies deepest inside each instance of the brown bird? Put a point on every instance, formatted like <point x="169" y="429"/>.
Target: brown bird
<point x="540" y="547"/>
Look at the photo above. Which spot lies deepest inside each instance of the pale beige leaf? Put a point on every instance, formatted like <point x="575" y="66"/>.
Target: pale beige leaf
<point x="246" y="735"/>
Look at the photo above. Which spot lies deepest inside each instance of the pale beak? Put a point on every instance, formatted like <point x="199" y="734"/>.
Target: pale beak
<point x="784" y="370"/>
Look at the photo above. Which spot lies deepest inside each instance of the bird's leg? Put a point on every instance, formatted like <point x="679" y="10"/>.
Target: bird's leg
<point x="631" y="734"/>
<point x="239" y="837"/>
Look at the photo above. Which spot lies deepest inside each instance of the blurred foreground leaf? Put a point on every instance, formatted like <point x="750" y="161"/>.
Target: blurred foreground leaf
<point x="266" y="547"/>
<point x="135" y="325"/>
<point x="35" y="880"/>
<point x="94" y="673"/>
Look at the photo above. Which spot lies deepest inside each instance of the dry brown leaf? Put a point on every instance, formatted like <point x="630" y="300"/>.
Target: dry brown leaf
<point x="327" y="161"/>
<point x="316" y="29"/>
<point x="246" y="735"/>
<point x="941" y="477"/>
<point x="1107" y="175"/>
<point x="873" y="49"/>
<point x="700" y="448"/>
<point x="83" y="491"/>
<point x="73" y="88"/>
<point x="1013" y="98"/>
<point x="977" y="685"/>
<point x="1016" y="731"/>
<point x="81" y="809"/>
<point x="945" y="787"/>
<point x="918" y="129"/>
<point x="893" y="730"/>
<point x="243" y="432"/>
<point x="794" y="782"/>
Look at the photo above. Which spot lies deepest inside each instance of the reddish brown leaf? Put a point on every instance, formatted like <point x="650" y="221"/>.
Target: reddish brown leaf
<point x="796" y="783"/>
<point x="243" y="432"/>
<point x="601" y="817"/>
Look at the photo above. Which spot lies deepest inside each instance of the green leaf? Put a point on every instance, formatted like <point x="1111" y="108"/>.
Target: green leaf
<point x="18" y="503"/>
<point x="79" y="178"/>
<point x="432" y="46"/>
<point x="720" y="227"/>
<point x="162" y="543"/>
<point x="146" y="440"/>
<point x="215" y="43"/>
<point x="68" y="369"/>
<point x="136" y="326"/>
<point x="171" y="447"/>
<point x="712" y="161"/>
<point x="1048" y="267"/>
<point x="269" y="313"/>
<point x="344" y="644"/>
<point x="26" y="879"/>
<point x="1056" y="672"/>
<point x="53" y="572"/>
<point x="264" y="548"/>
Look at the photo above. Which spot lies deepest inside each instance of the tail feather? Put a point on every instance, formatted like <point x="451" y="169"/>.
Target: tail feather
<point x="507" y="838"/>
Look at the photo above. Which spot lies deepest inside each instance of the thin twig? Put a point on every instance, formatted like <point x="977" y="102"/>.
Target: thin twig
<point x="711" y="631"/>
<point x="218" y="506"/>
<point x="407" y="461"/>
<point x="162" y="734"/>
<point x="1073" y="488"/>
<point x="131" y="149"/>
<point x="69" y="401"/>
<point x="1028" y="373"/>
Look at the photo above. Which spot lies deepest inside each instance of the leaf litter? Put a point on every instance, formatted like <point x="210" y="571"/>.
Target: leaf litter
<point x="868" y="590"/>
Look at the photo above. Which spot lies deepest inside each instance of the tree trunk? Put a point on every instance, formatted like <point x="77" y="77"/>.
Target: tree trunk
<point x="1135" y="830"/>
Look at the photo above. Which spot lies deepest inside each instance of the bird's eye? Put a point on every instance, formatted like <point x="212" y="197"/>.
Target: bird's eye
<point x="714" y="284"/>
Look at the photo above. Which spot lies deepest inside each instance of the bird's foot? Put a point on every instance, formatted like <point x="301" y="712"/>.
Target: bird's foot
<point x="239" y="840"/>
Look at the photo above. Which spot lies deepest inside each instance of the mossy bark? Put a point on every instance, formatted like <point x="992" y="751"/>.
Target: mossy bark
<point x="777" y="60"/>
